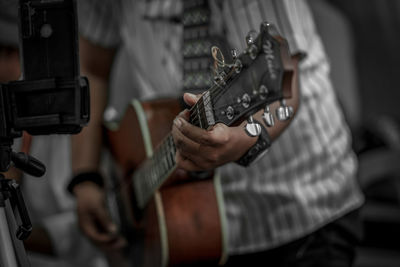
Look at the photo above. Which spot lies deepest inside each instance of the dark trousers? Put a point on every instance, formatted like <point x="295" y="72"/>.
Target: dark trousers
<point x="331" y="246"/>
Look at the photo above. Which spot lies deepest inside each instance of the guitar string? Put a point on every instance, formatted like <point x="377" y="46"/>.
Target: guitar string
<point x="211" y="89"/>
<point x="215" y="91"/>
<point x="195" y="113"/>
<point x="166" y="149"/>
<point x="194" y="118"/>
<point x="166" y="152"/>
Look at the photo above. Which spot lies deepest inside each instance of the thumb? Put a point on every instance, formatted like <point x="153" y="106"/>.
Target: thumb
<point x="191" y="99"/>
<point x="105" y="221"/>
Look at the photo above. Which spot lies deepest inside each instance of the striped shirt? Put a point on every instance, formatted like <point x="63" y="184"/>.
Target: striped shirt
<point x="307" y="179"/>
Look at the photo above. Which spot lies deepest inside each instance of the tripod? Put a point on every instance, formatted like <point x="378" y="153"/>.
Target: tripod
<point x="15" y="224"/>
<point x="12" y="251"/>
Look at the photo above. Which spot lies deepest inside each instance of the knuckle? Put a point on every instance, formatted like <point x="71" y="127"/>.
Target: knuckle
<point x="213" y="158"/>
<point x="216" y="138"/>
<point x="220" y="136"/>
<point x="178" y="159"/>
<point x="204" y="165"/>
<point x="225" y="139"/>
<point x="179" y="143"/>
<point x="184" y="130"/>
<point x="207" y="137"/>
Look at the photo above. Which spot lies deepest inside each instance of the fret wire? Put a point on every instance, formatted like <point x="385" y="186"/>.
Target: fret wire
<point x="165" y="164"/>
<point x="157" y="173"/>
<point x="160" y="157"/>
<point x="161" y="152"/>
<point x="172" y="154"/>
<point x="195" y="110"/>
<point x="168" y="158"/>
<point x="214" y="92"/>
<point x="164" y="160"/>
<point x="168" y="162"/>
<point x="198" y="116"/>
<point x="153" y="175"/>
<point x="160" y="167"/>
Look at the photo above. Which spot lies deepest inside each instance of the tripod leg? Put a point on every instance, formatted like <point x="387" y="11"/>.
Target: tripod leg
<point x="7" y="253"/>
<point x="19" y="248"/>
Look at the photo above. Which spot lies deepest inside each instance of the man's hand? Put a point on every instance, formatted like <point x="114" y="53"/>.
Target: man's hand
<point x="199" y="149"/>
<point x="93" y="218"/>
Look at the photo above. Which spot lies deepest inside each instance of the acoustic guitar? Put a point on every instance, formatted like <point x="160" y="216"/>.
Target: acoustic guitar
<point x="169" y="217"/>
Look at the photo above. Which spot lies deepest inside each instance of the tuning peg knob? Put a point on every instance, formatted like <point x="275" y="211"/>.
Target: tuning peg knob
<point x="263" y="91"/>
<point x="268" y="118"/>
<point x="284" y="112"/>
<point x="234" y="54"/>
<point x="281" y="114"/>
<point x="270" y="28"/>
<point x="251" y="37"/>
<point x="264" y="26"/>
<point x="289" y="111"/>
<point x="252" y="128"/>
<point x="246" y="99"/>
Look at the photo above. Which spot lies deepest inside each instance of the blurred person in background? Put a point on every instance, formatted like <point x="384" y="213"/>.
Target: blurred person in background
<point x="55" y="239"/>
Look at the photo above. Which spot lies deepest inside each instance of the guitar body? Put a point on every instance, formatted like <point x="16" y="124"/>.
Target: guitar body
<point x="181" y="223"/>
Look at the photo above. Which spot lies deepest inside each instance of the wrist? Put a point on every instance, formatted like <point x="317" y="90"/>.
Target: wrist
<point x="243" y="142"/>
<point x="85" y="180"/>
<point x="257" y="150"/>
<point x="84" y="187"/>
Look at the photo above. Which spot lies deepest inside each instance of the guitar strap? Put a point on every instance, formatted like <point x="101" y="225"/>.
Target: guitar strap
<point x="198" y="39"/>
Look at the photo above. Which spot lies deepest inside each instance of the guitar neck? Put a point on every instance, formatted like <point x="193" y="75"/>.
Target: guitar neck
<point x="156" y="169"/>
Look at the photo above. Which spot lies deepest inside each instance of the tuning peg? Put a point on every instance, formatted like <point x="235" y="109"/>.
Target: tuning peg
<point x="289" y="111"/>
<point x="263" y="91"/>
<point x="264" y="26"/>
<point x="271" y="28"/>
<point x="252" y="128"/>
<point x="251" y="37"/>
<point x="268" y="118"/>
<point x="234" y="54"/>
<point x="281" y="114"/>
<point x="252" y="49"/>
<point x="236" y="62"/>
<point x="284" y="112"/>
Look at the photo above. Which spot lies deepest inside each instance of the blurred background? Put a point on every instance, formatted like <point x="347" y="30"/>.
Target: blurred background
<point x="362" y="42"/>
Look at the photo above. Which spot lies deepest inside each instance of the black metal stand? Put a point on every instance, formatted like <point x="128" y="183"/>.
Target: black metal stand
<point x="12" y="251"/>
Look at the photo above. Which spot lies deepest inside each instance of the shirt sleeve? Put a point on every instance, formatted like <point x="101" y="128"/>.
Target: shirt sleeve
<point x="99" y="21"/>
<point x="297" y="25"/>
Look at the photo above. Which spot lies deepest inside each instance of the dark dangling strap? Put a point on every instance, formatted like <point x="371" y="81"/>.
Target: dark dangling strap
<point x="197" y="43"/>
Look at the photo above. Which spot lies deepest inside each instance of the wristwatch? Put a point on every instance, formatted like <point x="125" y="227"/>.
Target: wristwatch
<point x="257" y="150"/>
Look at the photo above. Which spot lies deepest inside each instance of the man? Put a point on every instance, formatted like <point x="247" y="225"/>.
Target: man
<point x="284" y="209"/>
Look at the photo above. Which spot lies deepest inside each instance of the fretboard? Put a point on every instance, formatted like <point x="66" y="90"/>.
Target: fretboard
<point x="156" y="169"/>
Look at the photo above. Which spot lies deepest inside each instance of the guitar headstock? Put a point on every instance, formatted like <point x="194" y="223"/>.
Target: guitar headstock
<point x="260" y="75"/>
